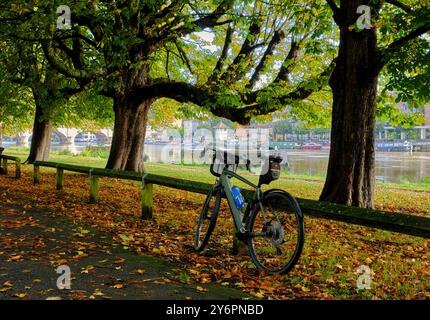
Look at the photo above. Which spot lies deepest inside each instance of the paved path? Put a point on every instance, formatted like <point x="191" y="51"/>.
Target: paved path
<point x="35" y="241"/>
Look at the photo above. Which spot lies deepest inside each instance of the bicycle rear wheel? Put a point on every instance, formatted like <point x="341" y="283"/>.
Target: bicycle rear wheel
<point x="276" y="233"/>
<point x="207" y="219"/>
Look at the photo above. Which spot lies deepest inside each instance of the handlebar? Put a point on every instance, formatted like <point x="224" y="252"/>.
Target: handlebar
<point x="225" y="157"/>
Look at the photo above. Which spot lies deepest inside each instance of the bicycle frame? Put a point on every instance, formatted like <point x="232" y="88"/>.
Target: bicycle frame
<point x="224" y="181"/>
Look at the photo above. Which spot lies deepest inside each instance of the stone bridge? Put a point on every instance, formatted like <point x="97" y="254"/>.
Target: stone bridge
<point x="67" y="136"/>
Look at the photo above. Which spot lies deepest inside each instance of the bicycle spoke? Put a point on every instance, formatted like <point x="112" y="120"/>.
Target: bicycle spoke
<point x="274" y="235"/>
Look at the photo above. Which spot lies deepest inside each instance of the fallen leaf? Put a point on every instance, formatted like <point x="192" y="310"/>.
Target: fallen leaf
<point x="98" y="293"/>
<point x="87" y="269"/>
<point x="258" y="295"/>
<point x="15" y="258"/>
<point x="62" y="262"/>
<point x="8" y="284"/>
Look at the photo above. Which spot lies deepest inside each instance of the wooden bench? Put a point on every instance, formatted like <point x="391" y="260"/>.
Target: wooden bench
<point x="4" y="159"/>
<point x="391" y="221"/>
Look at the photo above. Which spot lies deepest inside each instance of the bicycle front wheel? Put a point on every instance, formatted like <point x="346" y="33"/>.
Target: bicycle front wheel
<point x="207" y="219"/>
<point x="276" y="233"/>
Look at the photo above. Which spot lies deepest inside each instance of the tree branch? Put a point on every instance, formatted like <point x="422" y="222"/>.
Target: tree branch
<point x="179" y="27"/>
<point x="220" y="63"/>
<point x="89" y="22"/>
<point x="288" y="62"/>
<point x="68" y="92"/>
<point x="400" y="5"/>
<point x="337" y="14"/>
<point x="210" y="20"/>
<point x="302" y="91"/>
<point x="183" y="56"/>
<point x="398" y="44"/>
<point x="332" y="6"/>
<point x="276" y="39"/>
<point x="80" y="74"/>
<point x="241" y="110"/>
<point x="244" y="55"/>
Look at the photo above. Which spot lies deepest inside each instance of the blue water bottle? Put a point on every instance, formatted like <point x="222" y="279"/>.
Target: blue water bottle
<point x="238" y="198"/>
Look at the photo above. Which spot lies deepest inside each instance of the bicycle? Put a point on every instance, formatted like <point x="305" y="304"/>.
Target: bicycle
<point x="270" y="224"/>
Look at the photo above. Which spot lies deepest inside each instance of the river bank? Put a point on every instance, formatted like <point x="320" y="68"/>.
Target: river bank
<point x="401" y="170"/>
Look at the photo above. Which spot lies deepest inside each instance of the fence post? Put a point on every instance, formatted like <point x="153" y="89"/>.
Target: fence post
<point x="146" y="195"/>
<point x="18" y="168"/>
<point x="60" y="179"/>
<point x="5" y="166"/>
<point x="36" y="175"/>
<point x="94" y="189"/>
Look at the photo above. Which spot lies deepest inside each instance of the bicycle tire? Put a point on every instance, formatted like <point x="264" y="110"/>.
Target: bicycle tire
<point x="293" y="199"/>
<point x="277" y="197"/>
<point x="200" y="246"/>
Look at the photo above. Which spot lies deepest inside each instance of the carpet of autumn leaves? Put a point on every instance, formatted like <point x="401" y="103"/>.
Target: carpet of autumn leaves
<point x="333" y="251"/>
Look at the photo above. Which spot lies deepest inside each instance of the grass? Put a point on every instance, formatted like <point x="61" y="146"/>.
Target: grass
<point x="403" y="197"/>
<point x="95" y="152"/>
<point x="97" y="157"/>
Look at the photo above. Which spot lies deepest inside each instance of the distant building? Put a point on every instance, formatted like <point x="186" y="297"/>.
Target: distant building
<point x="427" y="115"/>
<point x="255" y="133"/>
<point x="222" y="132"/>
<point x="423" y="128"/>
<point x="403" y="106"/>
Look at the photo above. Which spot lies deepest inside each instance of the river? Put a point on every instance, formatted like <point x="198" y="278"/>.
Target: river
<point x="391" y="167"/>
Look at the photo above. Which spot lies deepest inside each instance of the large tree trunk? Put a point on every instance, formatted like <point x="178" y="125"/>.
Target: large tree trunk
<point x="351" y="169"/>
<point x="41" y="139"/>
<point x="128" y="139"/>
<point x="1" y="133"/>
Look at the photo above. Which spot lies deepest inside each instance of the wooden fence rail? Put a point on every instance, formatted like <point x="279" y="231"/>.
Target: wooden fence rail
<point x="4" y="161"/>
<point x="391" y="221"/>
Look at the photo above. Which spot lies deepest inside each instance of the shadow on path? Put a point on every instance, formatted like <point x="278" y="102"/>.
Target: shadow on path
<point x="35" y="241"/>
